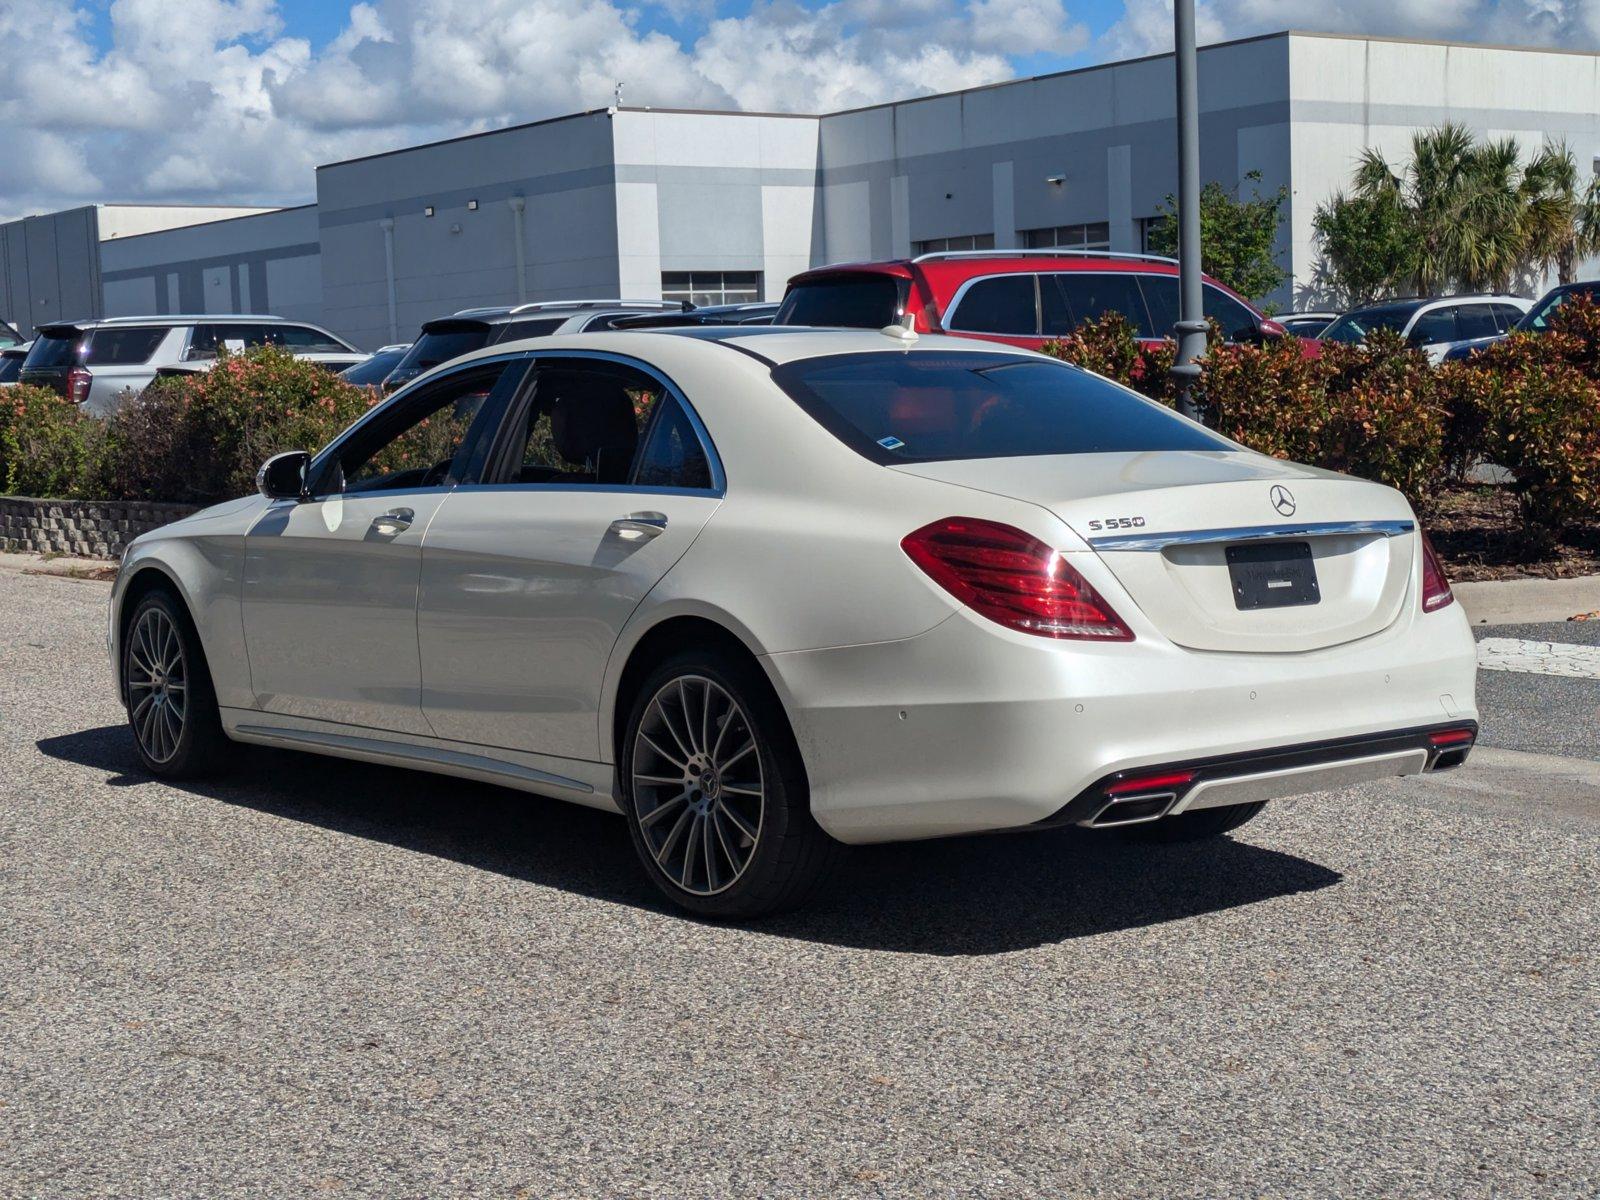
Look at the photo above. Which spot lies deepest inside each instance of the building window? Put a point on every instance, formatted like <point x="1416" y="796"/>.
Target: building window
<point x="971" y="241"/>
<point x="1095" y="236"/>
<point x="1147" y="226"/>
<point x="701" y="288"/>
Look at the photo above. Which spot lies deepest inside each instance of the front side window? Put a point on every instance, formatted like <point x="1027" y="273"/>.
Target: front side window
<point x="935" y="405"/>
<point x="1235" y="320"/>
<point x="419" y="444"/>
<point x="1004" y="304"/>
<point x="1068" y="299"/>
<point x="302" y="339"/>
<point x="206" y="340"/>
<point x="866" y="301"/>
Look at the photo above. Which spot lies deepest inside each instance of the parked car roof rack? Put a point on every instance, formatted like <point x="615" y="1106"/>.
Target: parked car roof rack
<point x="1051" y="251"/>
<point x="668" y="305"/>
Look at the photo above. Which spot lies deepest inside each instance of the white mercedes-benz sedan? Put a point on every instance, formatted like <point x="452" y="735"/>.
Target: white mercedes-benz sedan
<point x="766" y="591"/>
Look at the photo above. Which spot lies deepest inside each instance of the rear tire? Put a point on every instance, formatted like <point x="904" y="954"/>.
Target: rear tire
<point x="715" y="792"/>
<point x="1195" y="826"/>
<point x="172" y="708"/>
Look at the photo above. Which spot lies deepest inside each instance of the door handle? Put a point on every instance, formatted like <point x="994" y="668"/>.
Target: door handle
<point x="395" y="521"/>
<point x="640" y="526"/>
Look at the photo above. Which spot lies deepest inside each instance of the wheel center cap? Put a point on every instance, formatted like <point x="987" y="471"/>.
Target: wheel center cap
<point x="710" y="785"/>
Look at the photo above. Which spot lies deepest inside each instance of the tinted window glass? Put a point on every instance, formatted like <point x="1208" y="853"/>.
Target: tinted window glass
<point x="1475" y="321"/>
<point x="123" y="347"/>
<point x="1354" y="326"/>
<point x="1304" y="326"/>
<point x="1542" y="314"/>
<point x="304" y="339"/>
<point x="206" y="340"/>
<point x="514" y="330"/>
<point x="1236" y="320"/>
<point x="437" y="346"/>
<point x="1071" y="298"/>
<point x="673" y="456"/>
<point x="1001" y="305"/>
<point x="583" y="422"/>
<point x="915" y="407"/>
<point x="10" y="367"/>
<point x="1434" y="326"/>
<point x="418" y="447"/>
<point x="372" y="372"/>
<point x="1161" y="297"/>
<point x="55" y="349"/>
<point x="1505" y="316"/>
<point x="856" y="302"/>
<point x="9" y="336"/>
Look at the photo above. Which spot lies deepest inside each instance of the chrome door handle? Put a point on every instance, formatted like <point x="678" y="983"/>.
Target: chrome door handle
<point x="640" y="526"/>
<point x="396" y="520"/>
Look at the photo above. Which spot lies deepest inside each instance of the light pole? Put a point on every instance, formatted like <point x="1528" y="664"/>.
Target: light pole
<point x="1191" y="327"/>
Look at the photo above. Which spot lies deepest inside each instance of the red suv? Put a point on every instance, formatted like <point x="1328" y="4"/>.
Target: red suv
<point x="1021" y="297"/>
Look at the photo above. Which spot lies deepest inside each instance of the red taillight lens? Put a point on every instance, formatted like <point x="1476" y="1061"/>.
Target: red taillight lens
<point x="1451" y="737"/>
<point x="1013" y="579"/>
<point x="78" y="380"/>
<point x="1137" y="785"/>
<point x="1436" y="591"/>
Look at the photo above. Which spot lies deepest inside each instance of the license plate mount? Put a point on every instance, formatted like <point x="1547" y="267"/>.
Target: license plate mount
<point x="1273" y="575"/>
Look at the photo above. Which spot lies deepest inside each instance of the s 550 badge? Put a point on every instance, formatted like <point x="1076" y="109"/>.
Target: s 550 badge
<point x="1116" y="523"/>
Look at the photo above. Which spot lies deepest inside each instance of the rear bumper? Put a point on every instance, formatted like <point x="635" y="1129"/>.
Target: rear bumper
<point x="1169" y="789"/>
<point x="969" y="727"/>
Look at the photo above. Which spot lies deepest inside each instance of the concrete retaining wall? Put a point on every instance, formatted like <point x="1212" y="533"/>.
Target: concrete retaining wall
<point x="89" y="528"/>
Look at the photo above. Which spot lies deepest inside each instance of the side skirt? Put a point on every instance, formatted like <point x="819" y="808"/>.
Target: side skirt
<point x="590" y="784"/>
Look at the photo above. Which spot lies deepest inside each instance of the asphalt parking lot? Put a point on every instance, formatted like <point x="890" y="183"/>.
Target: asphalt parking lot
<point x="322" y="978"/>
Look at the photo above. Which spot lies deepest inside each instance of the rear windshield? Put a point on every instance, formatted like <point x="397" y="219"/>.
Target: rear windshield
<point x="1354" y="326"/>
<point x="119" y="347"/>
<point x="55" y="349"/>
<point x="436" y="346"/>
<point x="375" y="370"/>
<point x="1539" y="317"/>
<point x="866" y="301"/>
<point x="923" y="407"/>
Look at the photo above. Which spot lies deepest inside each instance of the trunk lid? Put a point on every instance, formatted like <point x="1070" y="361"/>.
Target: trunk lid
<point x="1163" y="523"/>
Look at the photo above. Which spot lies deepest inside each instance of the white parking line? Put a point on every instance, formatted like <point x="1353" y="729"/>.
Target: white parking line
<point x="1539" y="658"/>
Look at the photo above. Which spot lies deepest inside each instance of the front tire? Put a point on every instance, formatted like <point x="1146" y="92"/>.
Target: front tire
<point x="172" y="708"/>
<point x="715" y="792"/>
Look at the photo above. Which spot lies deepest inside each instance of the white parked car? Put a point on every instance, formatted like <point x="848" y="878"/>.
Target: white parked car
<point x="766" y="590"/>
<point x="95" y="363"/>
<point x="1437" y="325"/>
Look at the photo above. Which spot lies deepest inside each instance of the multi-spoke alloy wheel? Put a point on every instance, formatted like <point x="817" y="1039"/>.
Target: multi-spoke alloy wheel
<point x="697" y="785"/>
<point x="158" y="684"/>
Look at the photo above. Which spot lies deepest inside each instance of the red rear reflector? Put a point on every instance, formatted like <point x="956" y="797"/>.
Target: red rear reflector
<point x="1451" y="737"/>
<point x="1436" y="591"/>
<point x="1139" y="784"/>
<point x="1014" y="579"/>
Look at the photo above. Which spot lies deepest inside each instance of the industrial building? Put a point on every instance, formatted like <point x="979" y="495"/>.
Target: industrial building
<point x="723" y="206"/>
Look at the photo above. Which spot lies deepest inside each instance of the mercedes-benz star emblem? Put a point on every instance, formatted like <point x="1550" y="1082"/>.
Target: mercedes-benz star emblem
<point x="1282" y="499"/>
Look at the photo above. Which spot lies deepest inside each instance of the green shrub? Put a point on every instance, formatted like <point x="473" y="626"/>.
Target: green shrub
<point x="46" y="443"/>
<point x="1109" y="347"/>
<point x="1531" y="403"/>
<point x="1384" y="416"/>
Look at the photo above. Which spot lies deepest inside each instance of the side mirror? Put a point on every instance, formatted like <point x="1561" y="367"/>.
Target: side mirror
<point x="283" y="476"/>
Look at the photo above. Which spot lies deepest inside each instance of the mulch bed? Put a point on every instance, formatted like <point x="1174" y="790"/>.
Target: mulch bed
<point x="1478" y="533"/>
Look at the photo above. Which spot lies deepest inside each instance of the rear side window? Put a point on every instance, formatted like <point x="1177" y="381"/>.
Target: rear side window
<point x="933" y="406"/>
<point x="1434" y="326"/>
<point x="304" y="339"/>
<point x="516" y="330"/>
<point x="672" y="455"/>
<point x="119" y="347"/>
<point x="1005" y="304"/>
<point x="54" y="350"/>
<point x="853" y="302"/>
<point x="1071" y="298"/>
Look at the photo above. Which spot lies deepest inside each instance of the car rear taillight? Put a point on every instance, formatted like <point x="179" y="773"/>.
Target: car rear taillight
<point x="1014" y="579"/>
<point x="78" y="380"/>
<point x="1436" y="591"/>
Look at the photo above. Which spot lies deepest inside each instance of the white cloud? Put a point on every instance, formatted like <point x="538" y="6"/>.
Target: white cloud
<point x="1146" y="25"/>
<point x="217" y="100"/>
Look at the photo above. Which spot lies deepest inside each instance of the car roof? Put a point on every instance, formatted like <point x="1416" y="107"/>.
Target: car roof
<point x="170" y="319"/>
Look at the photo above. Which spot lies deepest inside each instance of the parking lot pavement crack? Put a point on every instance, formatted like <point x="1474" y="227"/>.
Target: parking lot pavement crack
<point x="1539" y="658"/>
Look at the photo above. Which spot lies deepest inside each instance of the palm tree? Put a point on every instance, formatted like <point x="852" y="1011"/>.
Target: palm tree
<point x="1462" y="203"/>
<point x="1560" y="225"/>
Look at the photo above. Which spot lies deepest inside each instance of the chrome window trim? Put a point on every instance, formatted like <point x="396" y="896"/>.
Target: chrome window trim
<point x="1249" y="533"/>
<point x="719" y="480"/>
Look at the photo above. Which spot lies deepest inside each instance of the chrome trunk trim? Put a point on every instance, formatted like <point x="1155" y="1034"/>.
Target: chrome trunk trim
<point x="1249" y="533"/>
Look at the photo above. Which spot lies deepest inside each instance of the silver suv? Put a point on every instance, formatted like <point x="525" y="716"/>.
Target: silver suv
<point x="474" y="328"/>
<point x="93" y="363"/>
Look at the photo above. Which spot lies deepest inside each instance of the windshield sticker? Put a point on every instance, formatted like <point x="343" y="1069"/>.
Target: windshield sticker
<point x="890" y="443"/>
